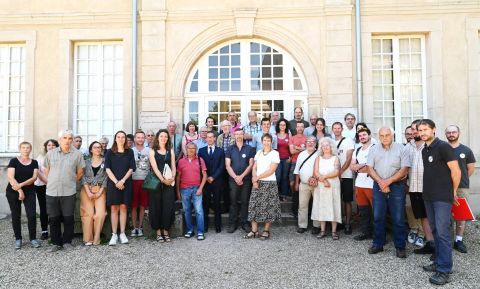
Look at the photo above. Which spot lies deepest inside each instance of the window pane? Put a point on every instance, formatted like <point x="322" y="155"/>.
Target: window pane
<point x="213" y="60"/>
<point x="193" y="106"/>
<point x="297" y="84"/>
<point x="236" y="85"/>
<point x="278" y="72"/>
<point x="236" y="60"/>
<point x="224" y="85"/>
<point x="266" y="84"/>
<point x="212" y="86"/>
<point x="266" y="72"/>
<point x="277" y="59"/>
<point x="255" y="72"/>
<point x="213" y="73"/>
<point x="254" y="47"/>
<point x="225" y="49"/>
<point x="224" y="73"/>
<point x="266" y="59"/>
<point x="255" y="85"/>
<point x="224" y="60"/>
<point x="255" y="59"/>
<point x="235" y="48"/>
<point x="278" y="84"/>
<point x="387" y="46"/>
<point x="235" y="73"/>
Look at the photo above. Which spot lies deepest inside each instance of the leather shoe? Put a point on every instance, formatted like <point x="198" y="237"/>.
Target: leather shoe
<point x="348" y="230"/>
<point x="432" y="257"/>
<point x="218" y="230"/>
<point x="362" y="236"/>
<point x="427" y="249"/>
<point x="315" y="230"/>
<point x="231" y="229"/>
<point x="301" y="230"/>
<point x="401" y="253"/>
<point x="375" y="250"/>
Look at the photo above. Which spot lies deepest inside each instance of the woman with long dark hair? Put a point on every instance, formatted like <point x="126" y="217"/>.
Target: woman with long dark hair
<point x="319" y="132"/>
<point x="41" y="186"/>
<point x="119" y="165"/>
<point x="283" y="148"/>
<point x="162" y="202"/>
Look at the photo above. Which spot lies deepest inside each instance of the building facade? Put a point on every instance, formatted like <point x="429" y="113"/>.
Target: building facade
<point x="69" y="64"/>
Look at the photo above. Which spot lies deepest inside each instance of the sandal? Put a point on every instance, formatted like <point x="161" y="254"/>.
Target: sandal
<point x="167" y="238"/>
<point x="322" y="235"/>
<point x="265" y="235"/>
<point x="160" y="238"/>
<point x="335" y="236"/>
<point x="251" y="235"/>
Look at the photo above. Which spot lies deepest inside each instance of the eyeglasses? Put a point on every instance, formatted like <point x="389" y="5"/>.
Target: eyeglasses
<point x="149" y="134"/>
<point x="451" y="132"/>
<point x="350" y="118"/>
<point x="204" y="131"/>
<point x="96" y="147"/>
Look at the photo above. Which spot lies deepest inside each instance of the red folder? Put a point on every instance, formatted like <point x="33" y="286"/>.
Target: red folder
<point x="462" y="211"/>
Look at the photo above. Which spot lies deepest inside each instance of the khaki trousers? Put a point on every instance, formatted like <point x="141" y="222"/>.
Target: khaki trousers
<point x="92" y="212"/>
<point x="305" y="193"/>
<point x="414" y="224"/>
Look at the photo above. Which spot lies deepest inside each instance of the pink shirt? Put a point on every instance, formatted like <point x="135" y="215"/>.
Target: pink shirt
<point x="297" y="140"/>
<point x="283" y="147"/>
<point x="190" y="172"/>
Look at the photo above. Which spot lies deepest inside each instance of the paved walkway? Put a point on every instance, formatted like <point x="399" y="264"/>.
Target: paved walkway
<point x="287" y="260"/>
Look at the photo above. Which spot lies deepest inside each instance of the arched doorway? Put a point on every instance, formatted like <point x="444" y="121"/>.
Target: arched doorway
<point x="244" y="75"/>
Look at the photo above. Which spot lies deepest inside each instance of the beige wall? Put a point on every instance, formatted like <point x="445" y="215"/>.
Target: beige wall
<point x="173" y="35"/>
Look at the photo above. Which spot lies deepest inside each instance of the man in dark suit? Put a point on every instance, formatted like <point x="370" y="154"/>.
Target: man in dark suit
<point x="214" y="158"/>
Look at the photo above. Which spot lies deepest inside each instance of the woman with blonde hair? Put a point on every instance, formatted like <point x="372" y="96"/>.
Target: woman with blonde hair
<point x="326" y="198"/>
<point x="22" y="172"/>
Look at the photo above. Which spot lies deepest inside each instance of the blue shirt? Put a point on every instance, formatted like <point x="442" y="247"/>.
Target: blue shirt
<point x="200" y="143"/>
<point x="240" y="159"/>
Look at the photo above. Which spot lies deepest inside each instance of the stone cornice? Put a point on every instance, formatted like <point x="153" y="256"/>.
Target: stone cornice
<point x="65" y="18"/>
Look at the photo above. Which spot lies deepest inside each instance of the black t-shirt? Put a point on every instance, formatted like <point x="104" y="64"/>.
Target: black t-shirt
<point x="464" y="156"/>
<point x="22" y="173"/>
<point x="437" y="180"/>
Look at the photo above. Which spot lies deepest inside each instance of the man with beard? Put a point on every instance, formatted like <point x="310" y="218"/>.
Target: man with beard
<point x="363" y="184"/>
<point x="415" y="177"/>
<point x="441" y="177"/>
<point x="466" y="161"/>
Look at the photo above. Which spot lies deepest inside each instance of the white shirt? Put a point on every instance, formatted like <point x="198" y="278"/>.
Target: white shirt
<point x="264" y="162"/>
<point x="208" y="149"/>
<point x="307" y="169"/>
<point x="349" y="133"/>
<point x="345" y="146"/>
<point x="363" y="180"/>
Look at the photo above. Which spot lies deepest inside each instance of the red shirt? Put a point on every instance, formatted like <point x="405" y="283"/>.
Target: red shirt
<point x="190" y="172"/>
<point x="283" y="147"/>
<point x="297" y="140"/>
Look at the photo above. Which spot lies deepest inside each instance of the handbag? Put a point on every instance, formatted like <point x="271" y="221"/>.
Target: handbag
<point x="151" y="182"/>
<point x="167" y="173"/>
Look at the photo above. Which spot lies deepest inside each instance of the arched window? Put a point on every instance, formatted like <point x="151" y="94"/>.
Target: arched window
<point x="241" y="76"/>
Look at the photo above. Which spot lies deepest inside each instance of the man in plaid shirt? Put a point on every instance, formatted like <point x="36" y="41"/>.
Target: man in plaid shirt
<point x="251" y="128"/>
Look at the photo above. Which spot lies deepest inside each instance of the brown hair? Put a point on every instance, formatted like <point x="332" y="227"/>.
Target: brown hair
<point x="115" y="146"/>
<point x="156" y="143"/>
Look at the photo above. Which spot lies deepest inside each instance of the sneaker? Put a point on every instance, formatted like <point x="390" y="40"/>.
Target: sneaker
<point x="88" y="244"/>
<point x="348" y="230"/>
<point x="123" y="238"/>
<point x="113" y="240"/>
<point x="140" y="232"/>
<point x="200" y="237"/>
<point x="375" y="250"/>
<point x="427" y="249"/>
<point x="440" y="278"/>
<point x="460" y="246"/>
<point x="430" y="268"/>
<point x="35" y="243"/>
<point x="18" y="244"/>
<point x="134" y="233"/>
<point x="56" y="248"/>
<point x="412" y="237"/>
<point x="44" y="235"/>
<point x="301" y="230"/>
<point x="420" y="241"/>
<point x="189" y="235"/>
<point x="315" y="230"/>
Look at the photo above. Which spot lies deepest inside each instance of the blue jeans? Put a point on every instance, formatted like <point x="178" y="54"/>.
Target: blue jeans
<point x="189" y="194"/>
<point x="281" y="174"/>
<point x="395" y="200"/>
<point x="439" y="214"/>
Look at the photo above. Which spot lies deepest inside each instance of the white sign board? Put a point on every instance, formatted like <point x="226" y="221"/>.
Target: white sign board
<point x="333" y="114"/>
<point x="154" y="120"/>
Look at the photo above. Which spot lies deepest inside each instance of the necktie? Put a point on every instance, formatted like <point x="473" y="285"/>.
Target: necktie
<point x="211" y="151"/>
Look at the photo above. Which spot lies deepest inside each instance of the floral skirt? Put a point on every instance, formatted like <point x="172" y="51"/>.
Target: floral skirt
<point x="264" y="205"/>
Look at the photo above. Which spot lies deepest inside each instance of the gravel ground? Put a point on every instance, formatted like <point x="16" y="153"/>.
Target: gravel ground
<point x="286" y="260"/>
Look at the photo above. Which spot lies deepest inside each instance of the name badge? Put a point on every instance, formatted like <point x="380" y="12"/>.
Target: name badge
<point x="101" y="166"/>
<point x="286" y="140"/>
<point x="462" y="155"/>
<point x="244" y="156"/>
<point x="430" y="159"/>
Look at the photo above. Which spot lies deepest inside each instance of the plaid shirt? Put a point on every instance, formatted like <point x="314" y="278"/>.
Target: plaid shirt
<point x="415" y="175"/>
<point x="251" y="130"/>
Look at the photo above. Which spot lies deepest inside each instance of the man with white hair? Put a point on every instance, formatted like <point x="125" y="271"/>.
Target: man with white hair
<point x="175" y="138"/>
<point x="63" y="168"/>
<point x="388" y="165"/>
<point x="150" y="136"/>
<point x="225" y="139"/>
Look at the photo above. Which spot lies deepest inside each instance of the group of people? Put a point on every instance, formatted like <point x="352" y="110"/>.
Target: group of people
<point x="258" y="165"/>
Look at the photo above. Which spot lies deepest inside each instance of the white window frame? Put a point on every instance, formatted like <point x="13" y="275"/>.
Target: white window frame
<point x="4" y="113"/>
<point x="99" y="90"/>
<point x="290" y="96"/>
<point x="397" y="101"/>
